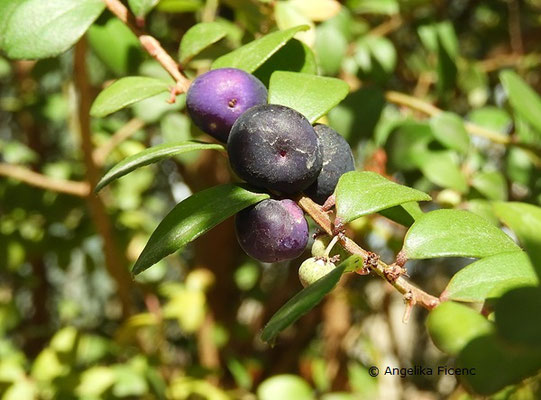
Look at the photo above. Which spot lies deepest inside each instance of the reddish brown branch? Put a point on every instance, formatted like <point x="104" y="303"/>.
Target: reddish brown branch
<point x="150" y="44"/>
<point x="412" y="294"/>
<point x="114" y="260"/>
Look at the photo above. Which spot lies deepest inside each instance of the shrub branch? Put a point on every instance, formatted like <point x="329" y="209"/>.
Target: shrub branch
<point x="151" y="45"/>
<point x="80" y="189"/>
<point x="391" y="273"/>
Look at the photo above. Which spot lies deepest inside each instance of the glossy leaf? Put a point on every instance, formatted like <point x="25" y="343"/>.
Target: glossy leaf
<point x="404" y="214"/>
<point x="294" y="56"/>
<point x="525" y="220"/>
<point x="524" y="100"/>
<point x="125" y="92"/>
<point x="40" y="29"/>
<point x="192" y="218"/>
<point x="441" y="168"/>
<point x="517" y="316"/>
<point x="363" y="193"/>
<point x="152" y="155"/>
<point x="301" y="303"/>
<point x="452" y="325"/>
<point x="142" y="7"/>
<point x="198" y="38"/>
<point x="311" y="95"/>
<point x="491" y="276"/>
<point x="448" y="129"/>
<point x="455" y="233"/>
<point x="252" y="55"/>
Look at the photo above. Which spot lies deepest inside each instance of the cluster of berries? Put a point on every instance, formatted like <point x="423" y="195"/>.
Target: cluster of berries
<point x="273" y="147"/>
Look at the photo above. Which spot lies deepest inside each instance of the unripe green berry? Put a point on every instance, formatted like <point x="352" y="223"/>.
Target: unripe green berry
<point x="314" y="268"/>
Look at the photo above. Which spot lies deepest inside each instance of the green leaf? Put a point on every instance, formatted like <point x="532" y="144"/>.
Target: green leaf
<point x="490" y="277"/>
<point x="363" y="193"/>
<point x="192" y="218"/>
<point x="404" y="214"/>
<point x="524" y="100"/>
<point x="288" y="15"/>
<point x="491" y="117"/>
<point x="441" y="39"/>
<point x="152" y="155"/>
<point x="142" y="7"/>
<point x="406" y="142"/>
<point x="125" y="92"/>
<point x="116" y="46"/>
<point x="40" y="29"/>
<point x="525" y="220"/>
<point x="375" y="6"/>
<point x="455" y="233"/>
<point x="496" y="364"/>
<point x="357" y="116"/>
<point x="452" y="325"/>
<point x="517" y="316"/>
<point x="284" y="387"/>
<point x="295" y="56"/>
<point x="448" y="129"/>
<point x="7" y="8"/>
<point x="311" y="95"/>
<point x="490" y="184"/>
<point x="331" y="48"/>
<point x="252" y="55"/>
<point x="441" y="168"/>
<point x="375" y="55"/>
<point x="301" y="303"/>
<point x="198" y="38"/>
<point x="179" y="6"/>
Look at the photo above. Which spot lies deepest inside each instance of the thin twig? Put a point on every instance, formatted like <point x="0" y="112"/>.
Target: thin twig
<point x="388" y="26"/>
<point x="477" y="130"/>
<point x="151" y="45"/>
<point x="431" y="110"/>
<point x="100" y="154"/>
<point x="413" y="294"/>
<point x="80" y="189"/>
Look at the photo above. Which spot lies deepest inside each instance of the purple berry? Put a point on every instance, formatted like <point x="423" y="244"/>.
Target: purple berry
<point x="272" y="230"/>
<point x="275" y="147"/>
<point x="217" y="98"/>
<point x="337" y="160"/>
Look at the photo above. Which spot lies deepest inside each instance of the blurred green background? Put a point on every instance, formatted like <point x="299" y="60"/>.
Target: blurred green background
<point x="75" y="324"/>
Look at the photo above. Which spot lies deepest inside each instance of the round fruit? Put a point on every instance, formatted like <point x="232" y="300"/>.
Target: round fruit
<point x="275" y="147"/>
<point x="272" y="230"/>
<point x="337" y="160"/>
<point x="217" y="98"/>
<point x="313" y="269"/>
